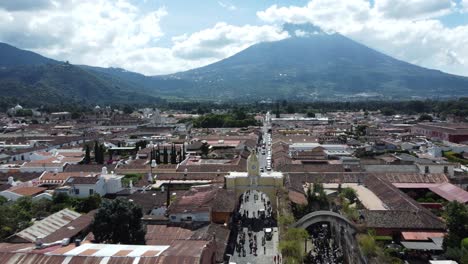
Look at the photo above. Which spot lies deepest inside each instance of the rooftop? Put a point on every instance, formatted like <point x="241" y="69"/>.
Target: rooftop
<point x="48" y="225"/>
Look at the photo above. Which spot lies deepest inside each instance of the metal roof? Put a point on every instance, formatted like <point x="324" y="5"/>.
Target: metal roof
<point x="48" y="225"/>
<point x="421" y="245"/>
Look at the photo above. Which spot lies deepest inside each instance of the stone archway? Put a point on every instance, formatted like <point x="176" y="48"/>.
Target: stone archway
<point x="343" y="230"/>
<point x="326" y="216"/>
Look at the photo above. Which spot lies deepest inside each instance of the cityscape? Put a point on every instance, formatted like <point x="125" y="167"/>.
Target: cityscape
<point x="271" y="137"/>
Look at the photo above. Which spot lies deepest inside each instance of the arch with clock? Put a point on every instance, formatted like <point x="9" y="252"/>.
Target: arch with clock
<point x="251" y="179"/>
<point x="253" y="168"/>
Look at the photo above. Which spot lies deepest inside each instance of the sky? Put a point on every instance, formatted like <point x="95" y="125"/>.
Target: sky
<point x="156" y="37"/>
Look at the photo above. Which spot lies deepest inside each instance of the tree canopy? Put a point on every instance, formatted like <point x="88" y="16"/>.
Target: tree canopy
<point x="119" y="222"/>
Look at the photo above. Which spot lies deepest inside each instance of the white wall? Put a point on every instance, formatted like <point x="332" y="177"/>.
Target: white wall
<point x="98" y="188"/>
<point x="436" y="168"/>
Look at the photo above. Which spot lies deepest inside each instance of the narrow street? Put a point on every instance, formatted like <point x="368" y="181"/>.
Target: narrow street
<point x="257" y="240"/>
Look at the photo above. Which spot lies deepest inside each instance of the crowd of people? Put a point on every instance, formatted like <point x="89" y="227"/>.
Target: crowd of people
<point x="325" y="250"/>
<point x="255" y="214"/>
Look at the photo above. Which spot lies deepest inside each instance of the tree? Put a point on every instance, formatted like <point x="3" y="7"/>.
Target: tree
<point x="425" y="117"/>
<point x="367" y="244"/>
<point x="118" y="221"/>
<point x="173" y="154"/>
<point x="96" y="151"/>
<point x="457" y="224"/>
<point x="183" y="152"/>
<point x="87" y="158"/>
<point x="291" y="245"/>
<point x="101" y="152"/>
<point x="349" y="194"/>
<point x="205" y="148"/>
<point x="158" y="155"/>
<point x="290" y="109"/>
<point x="89" y="203"/>
<point x="165" y="156"/>
<point x="277" y="111"/>
<point x="387" y="111"/>
<point x="127" y="109"/>
<point x="41" y="208"/>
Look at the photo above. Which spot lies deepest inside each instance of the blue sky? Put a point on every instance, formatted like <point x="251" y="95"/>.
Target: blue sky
<point x="192" y="16"/>
<point x="165" y="36"/>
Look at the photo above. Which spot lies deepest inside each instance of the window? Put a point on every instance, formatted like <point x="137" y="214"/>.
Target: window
<point x="173" y="217"/>
<point x="188" y="218"/>
<point x="91" y="191"/>
<point x="77" y="191"/>
<point x="426" y="169"/>
<point x="445" y="169"/>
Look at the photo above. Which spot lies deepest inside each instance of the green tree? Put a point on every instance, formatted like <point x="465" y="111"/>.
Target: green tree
<point x="102" y="152"/>
<point x="87" y="157"/>
<point x="41" y="208"/>
<point x="457" y="224"/>
<point x="96" y="152"/>
<point x="290" y="109"/>
<point x="205" y="148"/>
<point x="119" y="222"/>
<point x="291" y="245"/>
<point x="425" y="117"/>
<point x="89" y="203"/>
<point x="350" y="194"/>
<point x="368" y="245"/>
<point x="165" y="156"/>
<point x="387" y="111"/>
<point x="277" y="110"/>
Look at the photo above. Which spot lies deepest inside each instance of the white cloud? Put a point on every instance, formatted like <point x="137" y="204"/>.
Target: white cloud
<point x="223" y="40"/>
<point x="414" y="9"/>
<point x="227" y="5"/>
<point x="94" y="32"/>
<point x="426" y="42"/>
<point x="119" y="34"/>
<point x="464" y="5"/>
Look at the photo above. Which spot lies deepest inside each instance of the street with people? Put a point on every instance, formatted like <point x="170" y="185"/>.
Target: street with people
<point x="324" y="250"/>
<point x="257" y="234"/>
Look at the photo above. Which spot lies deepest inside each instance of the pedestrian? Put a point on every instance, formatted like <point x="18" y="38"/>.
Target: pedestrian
<point x="274" y="258"/>
<point x="264" y="250"/>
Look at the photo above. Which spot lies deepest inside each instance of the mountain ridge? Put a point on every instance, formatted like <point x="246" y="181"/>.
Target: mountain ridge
<point x="309" y="65"/>
<point x="327" y="65"/>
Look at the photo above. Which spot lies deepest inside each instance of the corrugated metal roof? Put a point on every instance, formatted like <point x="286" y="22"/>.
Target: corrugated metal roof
<point x="447" y="191"/>
<point x="48" y="225"/>
<point x="421" y="245"/>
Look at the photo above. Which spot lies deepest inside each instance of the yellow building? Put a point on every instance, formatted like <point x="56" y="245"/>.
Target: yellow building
<point x="266" y="182"/>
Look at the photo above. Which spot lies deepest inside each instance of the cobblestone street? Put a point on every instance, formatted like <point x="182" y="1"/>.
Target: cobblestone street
<point x="257" y="240"/>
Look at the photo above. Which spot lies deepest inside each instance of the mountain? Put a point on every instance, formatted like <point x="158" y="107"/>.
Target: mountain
<point x="140" y="82"/>
<point x="36" y="80"/>
<point x="12" y="56"/>
<point x="309" y="65"/>
<point x="312" y="64"/>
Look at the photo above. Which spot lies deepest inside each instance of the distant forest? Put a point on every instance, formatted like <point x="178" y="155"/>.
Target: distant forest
<point x="458" y="107"/>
